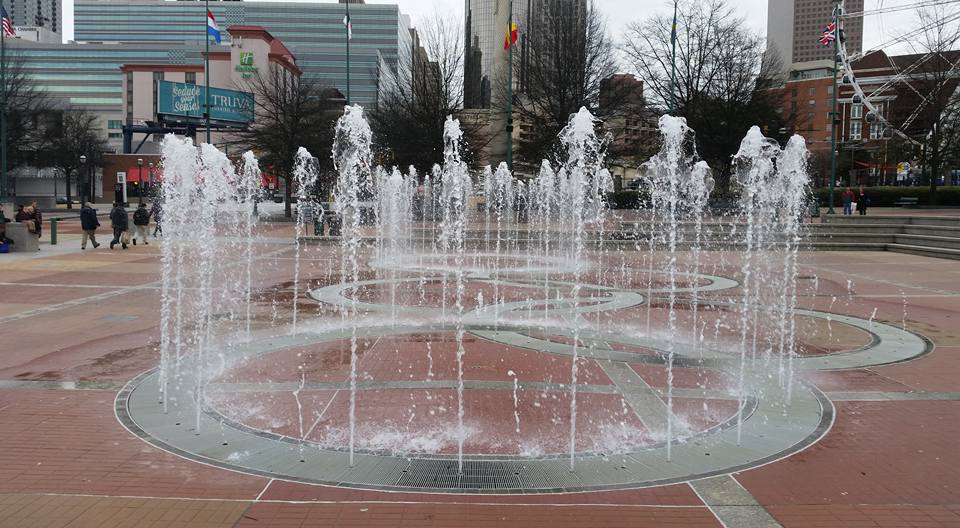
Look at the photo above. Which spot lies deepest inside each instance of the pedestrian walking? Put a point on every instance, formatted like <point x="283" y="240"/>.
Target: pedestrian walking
<point x="157" y="213"/>
<point x="120" y="223"/>
<point x="847" y="197"/>
<point x="89" y="224"/>
<point x="141" y="219"/>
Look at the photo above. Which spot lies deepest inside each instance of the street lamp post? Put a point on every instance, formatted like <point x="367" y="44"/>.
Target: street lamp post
<point x="150" y="180"/>
<point x="140" y="179"/>
<point x="85" y="193"/>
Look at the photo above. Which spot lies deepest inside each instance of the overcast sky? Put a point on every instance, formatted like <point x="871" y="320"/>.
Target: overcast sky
<point x="877" y="29"/>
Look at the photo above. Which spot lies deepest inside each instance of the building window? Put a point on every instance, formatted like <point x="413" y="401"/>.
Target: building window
<point x="115" y="135"/>
<point x="813" y="92"/>
<point x="856" y="111"/>
<point x="876" y="129"/>
<point x="190" y="78"/>
<point x="114" y="124"/>
<point x="855" y="131"/>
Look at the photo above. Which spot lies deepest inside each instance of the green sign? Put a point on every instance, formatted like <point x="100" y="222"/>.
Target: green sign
<point x="179" y="102"/>
<point x="246" y="67"/>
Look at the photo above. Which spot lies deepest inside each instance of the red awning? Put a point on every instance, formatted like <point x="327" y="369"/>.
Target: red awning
<point x="134" y="174"/>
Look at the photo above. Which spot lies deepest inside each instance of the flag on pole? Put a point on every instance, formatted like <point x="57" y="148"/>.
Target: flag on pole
<point x="511" y="37"/>
<point x="7" y="24"/>
<point x="349" y="25"/>
<point x="212" y="29"/>
<point x="829" y="34"/>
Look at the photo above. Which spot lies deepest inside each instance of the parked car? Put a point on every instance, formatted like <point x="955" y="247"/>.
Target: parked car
<point x="62" y="200"/>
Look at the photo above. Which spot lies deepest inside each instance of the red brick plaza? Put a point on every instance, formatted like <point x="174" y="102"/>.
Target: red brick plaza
<point x="78" y="326"/>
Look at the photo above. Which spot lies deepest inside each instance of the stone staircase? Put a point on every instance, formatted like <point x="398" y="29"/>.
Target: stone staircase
<point x="927" y="236"/>
<point x="917" y="235"/>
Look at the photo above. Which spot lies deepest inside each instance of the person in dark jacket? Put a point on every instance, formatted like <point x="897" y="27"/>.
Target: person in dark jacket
<point x="157" y="213"/>
<point x="120" y="224"/>
<point x="862" y="202"/>
<point x="89" y="224"/>
<point x="141" y="219"/>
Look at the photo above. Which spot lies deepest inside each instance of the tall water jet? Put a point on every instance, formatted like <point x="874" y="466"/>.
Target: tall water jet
<point x="179" y="162"/>
<point x="499" y="197"/>
<point x="772" y="193"/>
<point x="394" y="220"/>
<point x="457" y="187"/>
<point x="583" y="197"/>
<point x="304" y="175"/>
<point x="249" y="188"/>
<point x="679" y="185"/>
<point x="351" y="159"/>
<point x="544" y="208"/>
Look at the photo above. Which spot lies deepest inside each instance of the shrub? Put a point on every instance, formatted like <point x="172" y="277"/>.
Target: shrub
<point x="887" y="196"/>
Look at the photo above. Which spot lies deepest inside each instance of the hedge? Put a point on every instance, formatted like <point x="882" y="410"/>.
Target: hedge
<point x="879" y="197"/>
<point x="886" y="196"/>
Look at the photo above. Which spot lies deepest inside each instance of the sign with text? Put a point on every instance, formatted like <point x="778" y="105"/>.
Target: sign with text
<point x="181" y="102"/>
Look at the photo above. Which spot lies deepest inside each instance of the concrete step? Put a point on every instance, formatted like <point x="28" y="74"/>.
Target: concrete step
<point x="928" y="241"/>
<point x="925" y="251"/>
<point x="940" y="221"/>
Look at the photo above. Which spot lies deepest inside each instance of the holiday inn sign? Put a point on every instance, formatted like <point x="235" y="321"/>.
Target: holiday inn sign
<point x="183" y="103"/>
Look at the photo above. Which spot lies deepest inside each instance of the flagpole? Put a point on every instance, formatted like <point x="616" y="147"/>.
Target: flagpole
<point x="347" y="28"/>
<point x="833" y="113"/>
<point x="510" y="88"/>
<point x="206" y="68"/>
<point x="3" y="113"/>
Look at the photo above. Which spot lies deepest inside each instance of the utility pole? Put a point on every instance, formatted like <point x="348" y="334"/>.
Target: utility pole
<point x="206" y="69"/>
<point x="510" y="88"/>
<point x="3" y="115"/>
<point x="833" y="114"/>
<point x="673" y="60"/>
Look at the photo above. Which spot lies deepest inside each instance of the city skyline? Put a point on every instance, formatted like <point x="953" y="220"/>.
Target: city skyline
<point x="619" y="13"/>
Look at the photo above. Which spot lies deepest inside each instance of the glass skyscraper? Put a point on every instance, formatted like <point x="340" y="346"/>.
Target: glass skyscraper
<point x="314" y="32"/>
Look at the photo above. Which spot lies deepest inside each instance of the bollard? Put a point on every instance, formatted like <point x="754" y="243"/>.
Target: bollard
<point x="53" y="231"/>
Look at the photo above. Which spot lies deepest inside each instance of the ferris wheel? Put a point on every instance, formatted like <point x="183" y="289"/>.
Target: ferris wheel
<point x="903" y="74"/>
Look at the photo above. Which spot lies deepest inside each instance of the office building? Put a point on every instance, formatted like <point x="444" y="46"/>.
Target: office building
<point x="88" y="76"/>
<point x="121" y="85"/>
<point x="313" y="31"/>
<point x="46" y="14"/>
<point x="794" y="28"/>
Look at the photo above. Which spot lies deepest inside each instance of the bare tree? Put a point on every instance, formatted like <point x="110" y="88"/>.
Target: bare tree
<point x="28" y="111"/>
<point x="290" y="112"/>
<point x="723" y="85"/>
<point x="418" y="94"/>
<point x="71" y="135"/>
<point x="566" y="57"/>
<point x="929" y="109"/>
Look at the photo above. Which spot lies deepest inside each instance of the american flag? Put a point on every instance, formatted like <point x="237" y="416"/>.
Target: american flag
<point x="7" y="23"/>
<point x="829" y="34"/>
